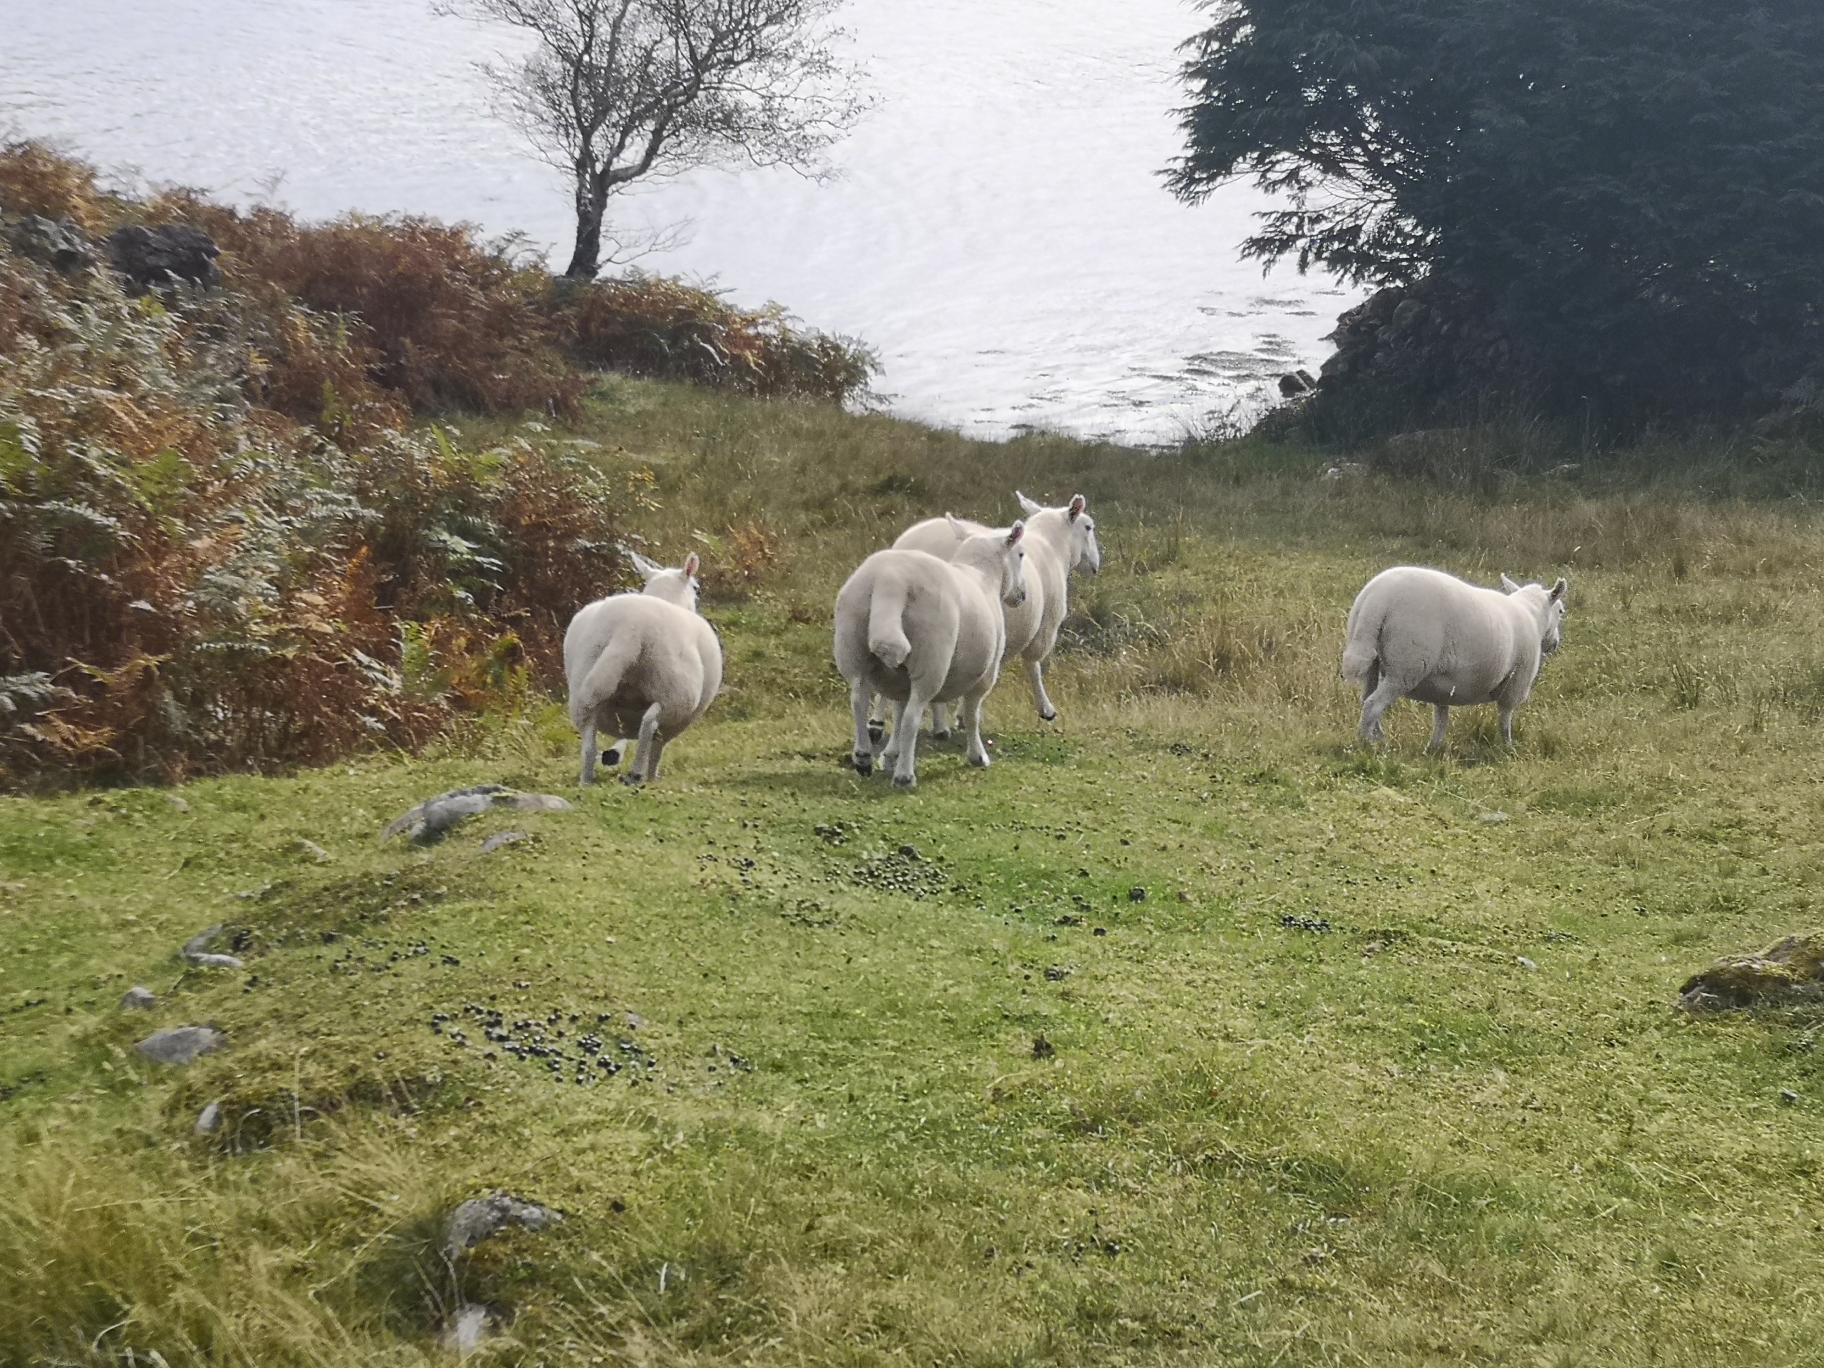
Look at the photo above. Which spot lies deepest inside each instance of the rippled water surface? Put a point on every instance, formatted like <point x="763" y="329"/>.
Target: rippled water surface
<point x="999" y="232"/>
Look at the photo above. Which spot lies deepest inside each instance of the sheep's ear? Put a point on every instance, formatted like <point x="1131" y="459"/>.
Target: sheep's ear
<point x="644" y="566"/>
<point x="1014" y="533"/>
<point x="1077" y="504"/>
<point x="1560" y="589"/>
<point x="1029" y="505"/>
<point x="690" y="565"/>
<point x="956" y="528"/>
<point x="1508" y="584"/>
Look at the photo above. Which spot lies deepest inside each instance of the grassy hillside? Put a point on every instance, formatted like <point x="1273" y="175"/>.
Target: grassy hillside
<point x="1188" y="1033"/>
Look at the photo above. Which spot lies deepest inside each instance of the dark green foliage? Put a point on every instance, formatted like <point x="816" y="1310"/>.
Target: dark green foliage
<point x="1636" y="190"/>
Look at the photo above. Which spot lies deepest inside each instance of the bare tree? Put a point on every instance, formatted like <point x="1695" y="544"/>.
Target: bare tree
<point x="617" y="90"/>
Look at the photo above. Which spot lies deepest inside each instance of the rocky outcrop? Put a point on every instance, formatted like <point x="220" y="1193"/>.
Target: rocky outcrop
<point x="57" y="243"/>
<point x="1412" y="355"/>
<point x="1787" y="972"/>
<point x="158" y="258"/>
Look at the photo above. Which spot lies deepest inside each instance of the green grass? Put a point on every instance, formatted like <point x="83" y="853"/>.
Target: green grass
<point x="1387" y="1142"/>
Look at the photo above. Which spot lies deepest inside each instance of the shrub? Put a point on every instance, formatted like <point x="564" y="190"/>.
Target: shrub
<point x="189" y="583"/>
<point x="445" y="322"/>
<point x="646" y="325"/>
<point x="36" y="180"/>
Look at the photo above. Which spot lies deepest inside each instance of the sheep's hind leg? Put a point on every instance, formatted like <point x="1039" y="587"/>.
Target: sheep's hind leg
<point x="616" y="753"/>
<point x="1441" y="714"/>
<point x="1375" y="703"/>
<point x="1035" y="675"/>
<point x="868" y="730"/>
<point x="905" y="738"/>
<point x="876" y="722"/>
<point x="1507" y="727"/>
<point x="589" y="753"/>
<point x="646" y="763"/>
<point x="972" y="714"/>
<point x="940" y="722"/>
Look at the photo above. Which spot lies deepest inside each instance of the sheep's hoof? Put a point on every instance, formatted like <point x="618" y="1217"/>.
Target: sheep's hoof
<point x="632" y="780"/>
<point x="864" y="763"/>
<point x="980" y="761"/>
<point x="611" y="758"/>
<point x="877" y="732"/>
<point x="905" y="781"/>
<point x="1048" y="715"/>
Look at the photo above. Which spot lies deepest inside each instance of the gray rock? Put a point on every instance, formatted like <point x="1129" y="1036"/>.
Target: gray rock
<point x="434" y="817"/>
<point x="467" y="1328"/>
<point x="58" y="243"/>
<point x="196" y="951"/>
<point x="541" y="802"/>
<point x="481" y="1218"/>
<point x="202" y="940"/>
<point x="311" y="850"/>
<point x="139" y="998"/>
<point x="177" y="802"/>
<point x="154" y="258"/>
<point x="181" y="1044"/>
<point x="210" y="1121"/>
<point x="503" y="838"/>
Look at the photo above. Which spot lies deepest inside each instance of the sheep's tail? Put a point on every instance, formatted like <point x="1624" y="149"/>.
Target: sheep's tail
<point x="886" y="631"/>
<point x="1361" y="652"/>
<point x="605" y="676"/>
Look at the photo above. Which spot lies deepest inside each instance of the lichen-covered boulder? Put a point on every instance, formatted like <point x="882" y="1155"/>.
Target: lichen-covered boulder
<point x="484" y="1217"/>
<point x="181" y="1044"/>
<point x="57" y="243"/>
<point x="1788" y="971"/>
<point x="154" y="258"/>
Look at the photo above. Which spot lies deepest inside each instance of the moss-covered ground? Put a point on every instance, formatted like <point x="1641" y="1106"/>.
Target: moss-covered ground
<point x="1190" y="1032"/>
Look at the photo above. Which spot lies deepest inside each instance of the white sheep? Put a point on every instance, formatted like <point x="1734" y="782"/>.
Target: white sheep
<point x="641" y="664"/>
<point x="1423" y="634"/>
<point x="1058" y="541"/>
<point x="920" y="630"/>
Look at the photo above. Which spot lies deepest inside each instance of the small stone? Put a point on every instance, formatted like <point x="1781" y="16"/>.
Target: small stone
<point x="909" y="851"/>
<point x="311" y="850"/>
<point x="501" y="839"/>
<point x="177" y="802"/>
<point x="1788" y="1096"/>
<point x="139" y="998"/>
<point x="1136" y="894"/>
<point x="482" y="1218"/>
<point x="202" y="940"/>
<point x="634" y="1021"/>
<point x="216" y="961"/>
<point x="181" y="1044"/>
<point x="1528" y="965"/>
<point x="210" y="1121"/>
<point x="1494" y="818"/>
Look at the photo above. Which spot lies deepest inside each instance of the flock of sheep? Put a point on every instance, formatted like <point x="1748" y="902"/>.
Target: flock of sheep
<point x="931" y="621"/>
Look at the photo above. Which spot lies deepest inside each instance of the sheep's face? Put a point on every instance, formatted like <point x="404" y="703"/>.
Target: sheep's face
<point x="1551" y="635"/>
<point x="1555" y="611"/>
<point x="1013" y="567"/>
<point x="674" y="584"/>
<point x="1085" y="551"/>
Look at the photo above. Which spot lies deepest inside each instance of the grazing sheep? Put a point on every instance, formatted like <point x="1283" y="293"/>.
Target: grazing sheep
<point x="1423" y="634"/>
<point x="1058" y="541"/>
<point x="642" y="664"/>
<point x="920" y="630"/>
